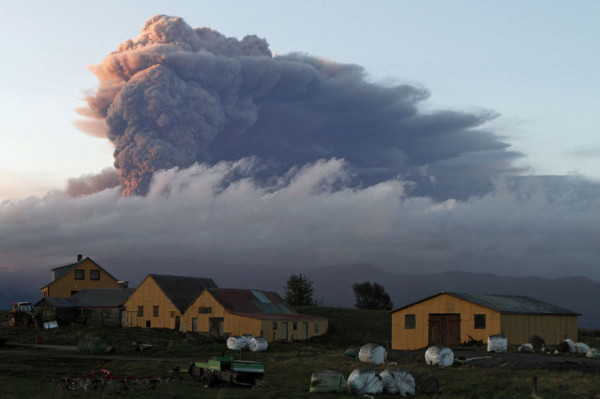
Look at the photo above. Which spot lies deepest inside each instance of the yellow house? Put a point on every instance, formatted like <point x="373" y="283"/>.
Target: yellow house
<point x="450" y="318"/>
<point x="230" y="311"/>
<point x="70" y="279"/>
<point x="161" y="300"/>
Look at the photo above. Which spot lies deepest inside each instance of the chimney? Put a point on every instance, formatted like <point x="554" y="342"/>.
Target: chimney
<point x="79" y="258"/>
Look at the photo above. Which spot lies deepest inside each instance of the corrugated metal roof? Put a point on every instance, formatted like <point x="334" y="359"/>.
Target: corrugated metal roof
<point x="508" y="304"/>
<point x="182" y="290"/>
<point x="513" y="304"/>
<point x="270" y="306"/>
<point x="93" y="298"/>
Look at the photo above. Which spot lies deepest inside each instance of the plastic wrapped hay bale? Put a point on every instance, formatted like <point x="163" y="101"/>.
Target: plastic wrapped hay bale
<point x="581" y="348"/>
<point x="258" y="344"/>
<point x="497" y="343"/>
<point x="352" y="352"/>
<point x="372" y="353"/>
<point x="365" y="380"/>
<point x="593" y="354"/>
<point x="399" y="381"/>
<point x="526" y="348"/>
<point x="439" y="356"/>
<point x="566" y="346"/>
<point x="328" y="381"/>
<point x="237" y="342"/>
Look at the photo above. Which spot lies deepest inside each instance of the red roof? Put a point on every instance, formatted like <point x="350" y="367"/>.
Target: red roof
<point x="256" y="304"/>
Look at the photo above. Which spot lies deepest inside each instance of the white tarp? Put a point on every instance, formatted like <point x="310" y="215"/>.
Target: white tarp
<point x="258" y="344"/>
<point x="439" y="356"/>
<point x="399" y="381"/>
<point x="372" y="353"/>
<point x="497" y="343"/>
<point x="364" y="380"/>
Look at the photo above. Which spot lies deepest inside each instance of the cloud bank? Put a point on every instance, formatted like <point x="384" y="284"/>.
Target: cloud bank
<point x="176" y="96"/>
<point x="220" y="215"/>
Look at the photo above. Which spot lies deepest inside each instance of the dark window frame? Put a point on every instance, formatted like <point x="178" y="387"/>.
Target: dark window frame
<point x="410" y="321"/>
<point x="204" y="310"/>
<point x="479" y="321"/>
<point x="95" y="275"/>
<point x="79" y="274"/>
<point x="275" y="326"/>
<point x="155" y="311"/>
<point x="140" y="311"/>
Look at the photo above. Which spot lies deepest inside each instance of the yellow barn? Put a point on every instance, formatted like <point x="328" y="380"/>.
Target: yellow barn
<point x="70" y="279"/>
<point x="450" y="318"/>
<point x="230" y="311"/>
<point x="161" y="300"/>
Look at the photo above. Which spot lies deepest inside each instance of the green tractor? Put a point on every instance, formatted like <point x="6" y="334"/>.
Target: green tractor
<point x="226" y="369"/>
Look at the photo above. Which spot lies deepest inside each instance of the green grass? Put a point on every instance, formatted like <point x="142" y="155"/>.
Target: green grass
<point x="288" y="366"/>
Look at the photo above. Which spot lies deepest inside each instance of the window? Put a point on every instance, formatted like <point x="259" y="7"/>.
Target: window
<point x="94" y="274"/>
<point x="79" y="274"/>
<point x="295" y="326"/>
<point x="155" y="311"/>
<point x="480" y="322"/>
<point x="316" y="328"/>
<point x="140" y="311"/>
<point x="410" y="321"/>
<point x="274" y="325"/>
<point x="172" y="314"/>
<point x="204" y="310"/>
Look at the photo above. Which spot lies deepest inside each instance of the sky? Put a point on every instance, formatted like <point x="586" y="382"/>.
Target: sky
<point x="417" y="135"/>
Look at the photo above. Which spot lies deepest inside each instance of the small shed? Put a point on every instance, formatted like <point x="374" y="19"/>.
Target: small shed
<point x="95" y="307"/>
<point x="232" y="311"/>
<point x="451" y="318"/>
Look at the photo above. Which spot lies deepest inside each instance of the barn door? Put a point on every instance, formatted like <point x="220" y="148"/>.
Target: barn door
<point x="215" y="326"/>
<point x="444" y="329"/>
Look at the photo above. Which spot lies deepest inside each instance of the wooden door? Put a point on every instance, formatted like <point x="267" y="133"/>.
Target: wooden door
<point x="444" y="329"/>
<point x="177" y="323"/>
<point x="215" y="326"/>
<point x="284" y="331"/>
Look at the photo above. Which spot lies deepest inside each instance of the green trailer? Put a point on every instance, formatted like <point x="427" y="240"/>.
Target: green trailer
<point x="221" y="370"/>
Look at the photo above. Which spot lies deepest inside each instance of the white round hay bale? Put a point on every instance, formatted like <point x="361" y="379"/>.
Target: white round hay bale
<point x="237" y="342"/>
<point x="439" y="356"/>
<point x="399" y="381"/>
<point x="258" y="344"/>
<point x="593" y="354"/>
<point x="364" y="380"/>
<point x="372" y="353"/>
<point x="581" y="348"/>
<point x="526" y="348"/>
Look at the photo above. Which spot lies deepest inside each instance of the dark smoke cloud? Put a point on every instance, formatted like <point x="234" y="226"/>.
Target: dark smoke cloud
<point x="176" y="96"/>
<point x="93" y="183"/>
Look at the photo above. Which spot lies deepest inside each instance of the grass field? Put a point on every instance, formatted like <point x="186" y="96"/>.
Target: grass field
<point x="27" y="374"/>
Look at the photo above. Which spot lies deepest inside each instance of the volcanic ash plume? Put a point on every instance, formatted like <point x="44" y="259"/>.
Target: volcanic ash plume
<point x="176" y="96"/>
